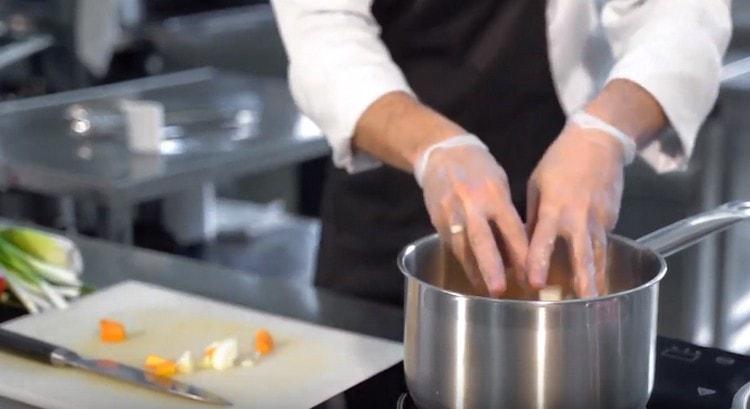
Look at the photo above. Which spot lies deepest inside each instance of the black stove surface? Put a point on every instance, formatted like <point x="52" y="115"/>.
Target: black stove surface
<point x="687" y="377"/>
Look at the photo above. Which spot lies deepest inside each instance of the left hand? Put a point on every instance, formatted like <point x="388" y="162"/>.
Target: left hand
<point x="574" y="193"/>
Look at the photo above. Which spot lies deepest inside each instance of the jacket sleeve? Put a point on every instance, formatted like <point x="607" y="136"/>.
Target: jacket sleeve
<point x="338" y="67"/>
<point x="674" y="50"/>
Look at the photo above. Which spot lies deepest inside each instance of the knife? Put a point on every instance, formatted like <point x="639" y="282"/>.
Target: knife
<point x="60" y="357"/>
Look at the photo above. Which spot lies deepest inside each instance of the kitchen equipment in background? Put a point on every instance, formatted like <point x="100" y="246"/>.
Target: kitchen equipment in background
<point x="464" y="351"/>
<point x="21" y="49"/>
<point x="309" y="364"/>
<point x="693" y="377"/>
<point x="144" y="122"/>
<point x="190" y="41"/>
<point x="64" y="358"/>
<point x="121" y="120"/>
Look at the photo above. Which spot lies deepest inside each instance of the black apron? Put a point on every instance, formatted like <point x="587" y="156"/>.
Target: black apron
<point x="481" y="63"/>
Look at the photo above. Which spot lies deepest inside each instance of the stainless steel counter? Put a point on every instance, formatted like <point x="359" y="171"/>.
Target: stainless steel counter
<point x="109" y="263"/>
<point x="39" y="154"/>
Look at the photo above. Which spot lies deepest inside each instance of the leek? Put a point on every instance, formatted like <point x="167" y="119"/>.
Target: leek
<point x="50" y="248"/>
<point x="41" y="269"/>
<point x="45" y="270"/>
<point x="16" y="263"/>
<point x="30" y="288"/>
<point x="55" y="274"/>
<point x="68" y="292"/>
<point x="21" y="294"/>
<point x="41" y="303"/>
<point x="57" y="300"/>
<point x="29" y="281"/>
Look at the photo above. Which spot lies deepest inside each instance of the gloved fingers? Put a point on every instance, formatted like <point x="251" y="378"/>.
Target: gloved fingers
<point x="542" y="245"/>
<point x="599" y="242"/>
<point x="605" y="212"/>
<point x="515" y="239"/>
<point x="447" y="220"/>
<point x="461" y="249"/>
<point x="578" y="238"/>
<point x="532" y="205"/>
<point x="486" y="252"/>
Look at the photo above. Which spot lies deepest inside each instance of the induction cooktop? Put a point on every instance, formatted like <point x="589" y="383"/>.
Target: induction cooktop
<point x="687" y="376"/>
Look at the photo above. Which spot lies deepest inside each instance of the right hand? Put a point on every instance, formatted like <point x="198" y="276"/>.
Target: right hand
<point x="464" y="186"/>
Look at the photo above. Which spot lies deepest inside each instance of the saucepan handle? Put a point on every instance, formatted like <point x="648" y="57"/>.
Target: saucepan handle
<point x="684" y="233"/>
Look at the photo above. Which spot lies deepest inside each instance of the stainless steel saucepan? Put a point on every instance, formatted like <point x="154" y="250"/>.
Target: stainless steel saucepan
<point x="469" y="351"/>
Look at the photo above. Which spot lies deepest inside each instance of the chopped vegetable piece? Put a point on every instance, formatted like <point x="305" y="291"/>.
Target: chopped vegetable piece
<point x="205" y="362"/>
<point x="165" y="369"/>
<point x="220" y="355"/>
<point x="209" y="350"/>
<point x="185" y="363"/>
<point x="551" y="293"/>
<point x="263" y="342"/>
<point x="153" y="360"/>
<point x="3" y="284"/>
<point x="247" y="363"/>
<point x="111" y="331"/>
<point x="160" y="366"/>
<point x="207" y="354"/>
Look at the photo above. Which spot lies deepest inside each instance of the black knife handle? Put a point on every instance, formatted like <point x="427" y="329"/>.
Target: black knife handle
<point x="35" y="349"/>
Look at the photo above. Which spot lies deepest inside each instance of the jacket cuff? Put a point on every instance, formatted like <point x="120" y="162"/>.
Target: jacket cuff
<point x="685" y="82"/>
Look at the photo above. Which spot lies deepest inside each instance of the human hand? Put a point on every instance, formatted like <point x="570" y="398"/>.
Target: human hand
<point x="575" y="193"/>
<point x="468" y="198"/>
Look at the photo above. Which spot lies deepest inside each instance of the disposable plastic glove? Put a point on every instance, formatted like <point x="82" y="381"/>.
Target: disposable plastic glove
<point x="465" y="187"/>
<point x="574" y="193"/>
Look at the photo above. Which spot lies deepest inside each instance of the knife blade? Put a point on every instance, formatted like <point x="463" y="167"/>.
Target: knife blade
<point x="61" y="357"/>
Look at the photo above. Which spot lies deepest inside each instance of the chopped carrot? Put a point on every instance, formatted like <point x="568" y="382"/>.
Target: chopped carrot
<point x="160" y="366"/>
<point x="111" y="331"/>
<point x="209" y="350"/>
<point x="153" y="360"/>
<point x="263" y="342"/>
<point x="168" y="368"/>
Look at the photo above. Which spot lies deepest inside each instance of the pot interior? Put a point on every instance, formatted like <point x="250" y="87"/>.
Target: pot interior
<point x="629" y="265"/>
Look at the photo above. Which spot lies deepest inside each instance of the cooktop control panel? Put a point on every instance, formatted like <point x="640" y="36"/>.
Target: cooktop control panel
<point x="693" y="377"/>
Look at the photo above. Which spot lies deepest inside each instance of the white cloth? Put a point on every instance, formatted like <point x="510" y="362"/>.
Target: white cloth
<point x="97" y="32"/>
<point x="672" y="48"/>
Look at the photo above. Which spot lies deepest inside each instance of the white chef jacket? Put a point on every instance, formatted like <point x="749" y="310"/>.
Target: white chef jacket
<point x="672" y="48"/>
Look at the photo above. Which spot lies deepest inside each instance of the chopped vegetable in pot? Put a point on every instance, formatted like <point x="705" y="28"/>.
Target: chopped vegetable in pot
<point x="111" y="331"/>
<point x="551" y="293"/>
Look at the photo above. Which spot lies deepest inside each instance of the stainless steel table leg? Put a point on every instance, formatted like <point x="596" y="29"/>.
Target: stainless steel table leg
<point x="190" y="215"/>
<point x="118" y="225"/>
<point x="67" y="219"/>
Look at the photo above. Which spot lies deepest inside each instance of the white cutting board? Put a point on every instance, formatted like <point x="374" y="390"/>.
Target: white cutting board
<point x="310" y="364"/>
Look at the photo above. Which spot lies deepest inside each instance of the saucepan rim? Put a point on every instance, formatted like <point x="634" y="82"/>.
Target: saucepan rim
<point x="657" y="278"/>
